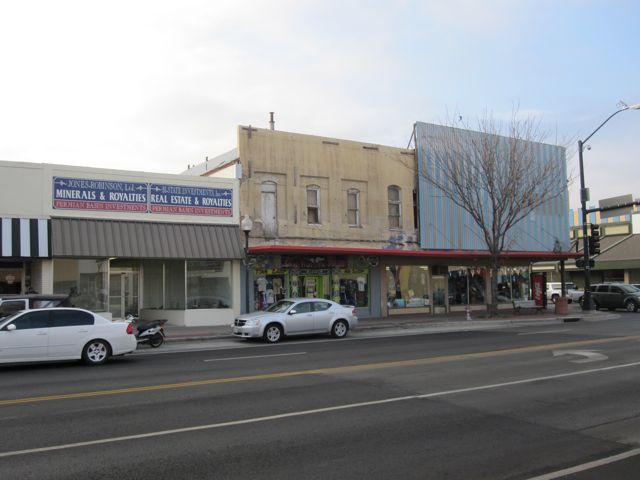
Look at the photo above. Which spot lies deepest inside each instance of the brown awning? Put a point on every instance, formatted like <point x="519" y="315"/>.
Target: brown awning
<point x="72" y="237"/>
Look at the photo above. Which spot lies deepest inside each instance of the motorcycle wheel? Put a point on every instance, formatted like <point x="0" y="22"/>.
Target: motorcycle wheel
<point x="156" y="340"/>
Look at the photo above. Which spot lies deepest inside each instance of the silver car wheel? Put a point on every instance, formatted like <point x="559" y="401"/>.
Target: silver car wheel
<point x="273" y="333"/>
<point x="631" y="306"/>
<point x="96" y="352"/>
<point x="340" y="329"/>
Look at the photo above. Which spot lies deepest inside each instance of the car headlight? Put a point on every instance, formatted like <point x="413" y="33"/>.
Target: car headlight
<point x="252" y="323"/>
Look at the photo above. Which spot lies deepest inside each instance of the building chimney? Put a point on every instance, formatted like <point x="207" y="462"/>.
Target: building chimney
<point x="272" y="122"/>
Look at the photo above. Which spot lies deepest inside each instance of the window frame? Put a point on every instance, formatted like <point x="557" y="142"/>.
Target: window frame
<point x="356" y="192"/>
<point x="394" y="203"/>
<point x="316" y="189"/>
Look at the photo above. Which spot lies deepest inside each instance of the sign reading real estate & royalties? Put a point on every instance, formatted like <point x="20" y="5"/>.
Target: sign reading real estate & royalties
<point x="183" y="200"/>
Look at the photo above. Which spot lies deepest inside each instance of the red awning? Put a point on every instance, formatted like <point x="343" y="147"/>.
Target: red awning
<point x="426" y="254"/>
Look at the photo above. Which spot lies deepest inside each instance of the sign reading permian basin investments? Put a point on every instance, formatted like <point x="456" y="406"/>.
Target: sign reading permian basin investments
<point x="116" y="196"/>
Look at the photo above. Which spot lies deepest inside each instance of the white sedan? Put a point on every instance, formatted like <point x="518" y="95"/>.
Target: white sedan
<point x="49" y="334"/>
<point x="296" y="316"/>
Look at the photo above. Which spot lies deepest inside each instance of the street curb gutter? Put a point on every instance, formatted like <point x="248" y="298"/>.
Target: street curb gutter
<point x="425" y="327"/>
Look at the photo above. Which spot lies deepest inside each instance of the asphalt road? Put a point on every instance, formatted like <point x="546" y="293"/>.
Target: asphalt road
<point x="513" y="403"/>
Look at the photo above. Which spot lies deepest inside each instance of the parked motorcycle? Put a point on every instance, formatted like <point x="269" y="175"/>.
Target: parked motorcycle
<point x="151" y="332"/>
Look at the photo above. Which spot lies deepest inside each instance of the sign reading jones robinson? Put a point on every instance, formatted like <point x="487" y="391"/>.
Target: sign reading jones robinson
<point x="114" y="196"/>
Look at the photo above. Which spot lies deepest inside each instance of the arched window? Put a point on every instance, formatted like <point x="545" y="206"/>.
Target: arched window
<point x="353" y="207"/>
<point x="395" y="207"/>
<point x="313" y="204"/>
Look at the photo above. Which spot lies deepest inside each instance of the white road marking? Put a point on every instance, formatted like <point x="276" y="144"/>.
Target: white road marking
<point x="307" y="412"/>
<point x="588" y="466"/>
<point x="254" y="356"/>
<point x="590" y="355"/>
<point x="546" y="331"/>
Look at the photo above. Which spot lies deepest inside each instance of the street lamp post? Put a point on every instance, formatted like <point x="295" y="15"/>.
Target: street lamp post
<point x="246" y="225"/>
<point x="584" y="197"/>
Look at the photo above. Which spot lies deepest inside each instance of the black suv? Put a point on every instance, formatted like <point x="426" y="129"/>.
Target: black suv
<point x="616" y="295"/>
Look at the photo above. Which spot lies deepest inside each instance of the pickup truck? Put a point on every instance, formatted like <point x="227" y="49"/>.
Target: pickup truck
<point x="10" y="304"/>
<point x="554" y="291"/>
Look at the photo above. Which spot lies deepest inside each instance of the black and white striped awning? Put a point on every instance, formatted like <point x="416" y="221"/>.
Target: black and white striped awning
<point x="25" y="237"/>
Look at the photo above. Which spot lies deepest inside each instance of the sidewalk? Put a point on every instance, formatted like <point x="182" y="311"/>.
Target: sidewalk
<point x="439" y="323"/>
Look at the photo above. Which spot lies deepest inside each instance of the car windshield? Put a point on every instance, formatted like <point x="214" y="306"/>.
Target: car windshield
<point x="280" y="307"/>
<point x="570" y="286"/>
<point x="6" y="318"/>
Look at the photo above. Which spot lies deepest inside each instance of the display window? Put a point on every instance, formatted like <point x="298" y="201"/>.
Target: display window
<point x="350" y="287"/>
<point x="407" y="286"/>
<point x="332" y="278"/>
<point x="269" y="287"/>
<point x="513" y="284"/>
<point x="84" y="280"/>
<point x="10" y="278"/>
<point x="467" y="286"/>
<point x="209" y="284"/>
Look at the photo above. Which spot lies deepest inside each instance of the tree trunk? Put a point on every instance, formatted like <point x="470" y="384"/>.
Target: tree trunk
<point x="492" y="305"/>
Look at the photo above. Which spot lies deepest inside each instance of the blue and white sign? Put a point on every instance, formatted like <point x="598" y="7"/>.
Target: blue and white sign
<point x="107" y="195"/>
<point x="182" y="200"/>
<point x="103" y="195"/>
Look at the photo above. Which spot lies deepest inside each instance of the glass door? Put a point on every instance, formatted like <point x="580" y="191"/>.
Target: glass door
<point x="124" y="293"/>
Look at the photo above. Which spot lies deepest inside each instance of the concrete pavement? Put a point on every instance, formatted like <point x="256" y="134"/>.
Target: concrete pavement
<point x="433" y="323"/>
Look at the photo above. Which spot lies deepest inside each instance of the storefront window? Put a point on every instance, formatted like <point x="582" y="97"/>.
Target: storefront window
<point x="458" y="285"/>
<point x="407" y="286"/>
<point x="467" y="285"/>
<point x="513" y="284"/>
<point x="83" y="280"/>
<point x="10" y="278"/>
<point x="350" y="288"/>
<point x="268" y="288"/>
<point x="209" y="284"/>
<point x="174" y="279"/>
<point x="477" y="286"/>
<point x="153" y="284"/>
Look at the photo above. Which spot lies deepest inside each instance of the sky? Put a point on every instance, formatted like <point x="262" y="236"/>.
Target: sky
<point x="159" y="85"/>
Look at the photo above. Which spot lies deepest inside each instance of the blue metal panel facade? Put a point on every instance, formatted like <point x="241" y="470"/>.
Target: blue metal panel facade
<point x="444" y="225"/>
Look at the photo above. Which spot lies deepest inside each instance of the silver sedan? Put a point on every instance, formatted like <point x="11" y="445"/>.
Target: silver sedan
<point x="296" y="316"/>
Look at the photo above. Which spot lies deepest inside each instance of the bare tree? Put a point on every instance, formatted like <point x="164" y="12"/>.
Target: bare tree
<point x="498" y="179"/>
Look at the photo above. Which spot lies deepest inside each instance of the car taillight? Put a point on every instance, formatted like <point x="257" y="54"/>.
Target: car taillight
<point x="353" y="312"/>
<point x="129" y="328"/>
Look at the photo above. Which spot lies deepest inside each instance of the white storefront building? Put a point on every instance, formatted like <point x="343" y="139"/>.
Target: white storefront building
<point x="122" y="242"/>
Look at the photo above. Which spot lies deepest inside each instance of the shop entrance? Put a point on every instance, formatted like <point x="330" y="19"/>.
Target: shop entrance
<point x="123" y="292"/>
<point x="312" y="286"/>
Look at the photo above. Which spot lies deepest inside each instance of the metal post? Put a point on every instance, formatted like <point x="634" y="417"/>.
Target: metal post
<point x="586" y="297"/>
<point x="246" y="271"/>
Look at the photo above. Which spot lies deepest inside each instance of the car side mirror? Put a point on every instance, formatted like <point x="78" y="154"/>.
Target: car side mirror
<point x="11" y="327"/>
<point x="292" y="312"/>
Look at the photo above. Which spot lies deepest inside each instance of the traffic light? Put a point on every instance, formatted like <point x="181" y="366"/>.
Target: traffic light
<point x="594" y="239"/>
<point x="580" y="263"/>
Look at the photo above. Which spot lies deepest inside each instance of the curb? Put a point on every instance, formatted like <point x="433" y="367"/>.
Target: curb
<point x="429" y="327"/>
